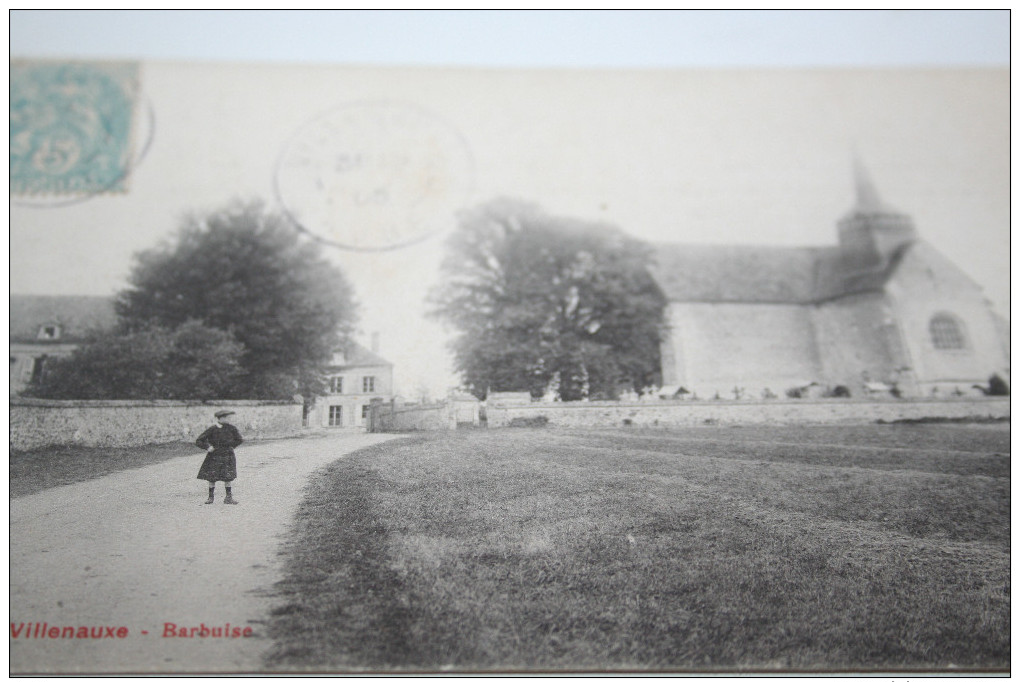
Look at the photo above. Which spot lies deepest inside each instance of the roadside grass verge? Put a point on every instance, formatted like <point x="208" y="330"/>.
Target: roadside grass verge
<point x="771" y="549"/>
<point x="32" y="471"/>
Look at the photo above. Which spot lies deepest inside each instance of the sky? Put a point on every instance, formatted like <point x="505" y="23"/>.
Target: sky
<point x="608" y="39"/>
<point x="710" y="127"/>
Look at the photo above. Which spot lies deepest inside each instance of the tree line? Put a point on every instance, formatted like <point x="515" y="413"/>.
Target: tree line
<point x="241" y="304"/>
<point x="541" y="303"/>
<point x="237" y="305"/>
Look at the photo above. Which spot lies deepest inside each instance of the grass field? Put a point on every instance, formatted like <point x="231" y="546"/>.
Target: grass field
<point x="856" y="548"/>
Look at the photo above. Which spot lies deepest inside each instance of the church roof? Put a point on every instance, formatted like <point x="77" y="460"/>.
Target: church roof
<point x="755" y="274"/>
<point x="761" y="274"/>
<point x="770" y="274"/>
<point x="75" y="315"/>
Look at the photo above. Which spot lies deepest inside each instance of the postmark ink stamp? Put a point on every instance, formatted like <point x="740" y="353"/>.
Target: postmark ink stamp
<point x="374" y="176"/>
<point x="71" y="127"/>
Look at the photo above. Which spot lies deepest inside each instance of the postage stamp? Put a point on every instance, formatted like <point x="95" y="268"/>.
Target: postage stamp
<point x="374" y="176"/>
<point x="71" y="126"/>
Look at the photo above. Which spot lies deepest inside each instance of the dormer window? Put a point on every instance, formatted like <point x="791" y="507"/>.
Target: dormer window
<point x="49" y="332"/>
<point x="339" y="358"/>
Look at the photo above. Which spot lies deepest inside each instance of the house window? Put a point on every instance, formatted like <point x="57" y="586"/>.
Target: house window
<point x="37" y="369"/>
<point x="49" y="332"/>
<point x="365" y="409"/>
<point x="368" y="385"/>
<point x="336" y="385"/>
<point x="946" y="332"/>
<point x="336" y="415"/>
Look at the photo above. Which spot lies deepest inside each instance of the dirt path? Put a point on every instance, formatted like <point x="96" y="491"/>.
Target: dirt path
<point x="138" y="550"/>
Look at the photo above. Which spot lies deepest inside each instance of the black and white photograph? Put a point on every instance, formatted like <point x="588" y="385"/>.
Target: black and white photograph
<point x="445" y="343"/>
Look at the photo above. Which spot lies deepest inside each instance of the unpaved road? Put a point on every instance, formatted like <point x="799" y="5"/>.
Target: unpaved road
<point x="138" y="549"/>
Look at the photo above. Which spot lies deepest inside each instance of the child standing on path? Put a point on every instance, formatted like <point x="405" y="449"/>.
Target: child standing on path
<point x="219" y="440"/>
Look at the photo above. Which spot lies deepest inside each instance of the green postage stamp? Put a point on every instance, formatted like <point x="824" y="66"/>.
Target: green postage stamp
<point x="71" y="126"/>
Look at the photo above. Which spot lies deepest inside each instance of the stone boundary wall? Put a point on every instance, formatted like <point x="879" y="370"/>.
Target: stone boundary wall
<point x="116" y="423"/>
<point x="439" y="417"/>
<point x="687" y="413"/>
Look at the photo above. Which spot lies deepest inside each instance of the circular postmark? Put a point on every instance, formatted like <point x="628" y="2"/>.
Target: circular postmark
<point x="373" y="176"/>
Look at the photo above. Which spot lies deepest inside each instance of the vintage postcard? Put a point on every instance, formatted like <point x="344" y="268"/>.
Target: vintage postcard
<point x="744" y="278"/>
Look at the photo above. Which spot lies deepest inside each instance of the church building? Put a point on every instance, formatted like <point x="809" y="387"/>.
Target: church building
<point x="881" y="308"/>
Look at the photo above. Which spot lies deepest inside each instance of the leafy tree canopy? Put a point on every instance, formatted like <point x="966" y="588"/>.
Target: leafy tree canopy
<point x="189" y="362"/>
<point x="544" y="302"/>
<point x="247" y="271"/>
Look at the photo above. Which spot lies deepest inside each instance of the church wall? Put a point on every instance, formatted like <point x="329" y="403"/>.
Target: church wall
<point x="926" y="284"/>
<point x="754" y="346"/>
<point x="857" y="341"/>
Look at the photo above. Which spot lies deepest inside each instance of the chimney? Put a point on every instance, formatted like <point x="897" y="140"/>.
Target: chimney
<point x="375" y="342"/>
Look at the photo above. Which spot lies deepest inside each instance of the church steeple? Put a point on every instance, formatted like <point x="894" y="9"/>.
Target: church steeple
<point x="872" y="232"/>
<point x="867" y="196"/>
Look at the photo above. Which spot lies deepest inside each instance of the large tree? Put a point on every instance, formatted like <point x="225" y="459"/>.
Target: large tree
<point x="248" y="271"/>
<point x="540" y="301"/>
<point x="191" y="361"/>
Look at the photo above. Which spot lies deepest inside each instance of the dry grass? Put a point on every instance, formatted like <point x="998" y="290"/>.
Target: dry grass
<point x="800" y="548"/>
<point x="34" y="470"/>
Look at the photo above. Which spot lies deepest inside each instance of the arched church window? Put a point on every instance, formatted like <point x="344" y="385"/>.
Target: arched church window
<point x="947" y="332"/>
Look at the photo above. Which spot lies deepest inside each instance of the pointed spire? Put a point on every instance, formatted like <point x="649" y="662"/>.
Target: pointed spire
<point x="867" y="196"/>
<point x="872" y="231"/>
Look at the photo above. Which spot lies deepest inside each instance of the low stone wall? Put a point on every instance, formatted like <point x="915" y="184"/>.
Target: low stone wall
<point x="688" y="413"/>
<point x="104" y="423"/>
<point x="439" y="417"/>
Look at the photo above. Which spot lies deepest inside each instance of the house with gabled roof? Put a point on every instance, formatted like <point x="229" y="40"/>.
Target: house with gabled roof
<point x="881" y="307"/>
<point x="46" y="327"/>
<point x="356" y="377"/>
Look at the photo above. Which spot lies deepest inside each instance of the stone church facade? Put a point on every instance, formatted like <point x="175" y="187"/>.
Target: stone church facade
<point x="882" y="308"/>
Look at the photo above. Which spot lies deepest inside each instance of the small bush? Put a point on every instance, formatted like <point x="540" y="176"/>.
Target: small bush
<point x="529" y="422"/>
<point x="997" y="385"/>
<point x="840" y="391"/>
